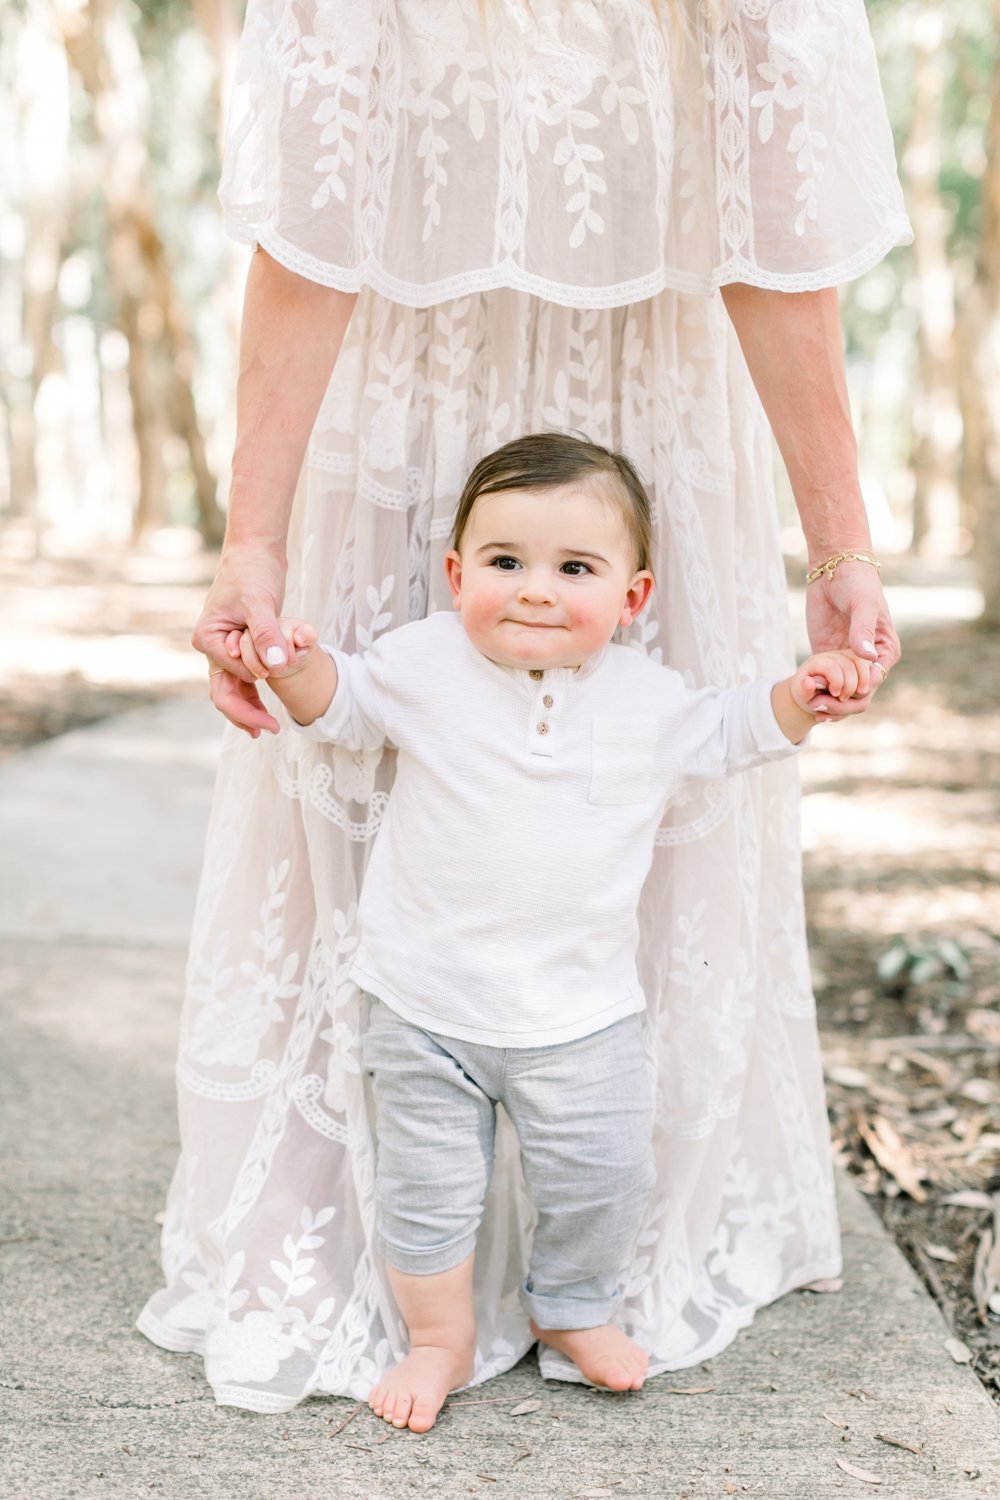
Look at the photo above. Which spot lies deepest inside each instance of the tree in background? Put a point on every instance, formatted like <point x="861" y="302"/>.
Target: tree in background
<point x="106" y="233"/>
<point x="118" y="299"/>
<point x="928" y="331"/>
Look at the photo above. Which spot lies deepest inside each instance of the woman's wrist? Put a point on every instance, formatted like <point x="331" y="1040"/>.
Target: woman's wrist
<point x="250" y="546"/>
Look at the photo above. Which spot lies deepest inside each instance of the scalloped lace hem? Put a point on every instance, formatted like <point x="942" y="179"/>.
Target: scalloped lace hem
<point x="510" y="276"/>
<point x="552" y="1365"/>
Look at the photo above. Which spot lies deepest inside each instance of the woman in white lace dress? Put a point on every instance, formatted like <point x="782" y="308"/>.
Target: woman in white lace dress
<point x="575" y="216"/>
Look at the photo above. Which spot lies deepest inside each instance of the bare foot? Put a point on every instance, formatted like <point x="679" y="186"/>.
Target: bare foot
<point x="605" y="1355"/>
<point x="412" y="1394"/>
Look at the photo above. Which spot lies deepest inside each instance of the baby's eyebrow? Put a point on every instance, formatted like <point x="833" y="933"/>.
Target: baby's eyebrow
<point x="571" y="552"/>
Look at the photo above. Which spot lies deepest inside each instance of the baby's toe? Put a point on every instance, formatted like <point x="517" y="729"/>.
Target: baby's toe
<point x="422" y="1416"/>
<point x="401" y="1410"/>
<point x="618" y="1376"/>
<point x="376" y="1399"/>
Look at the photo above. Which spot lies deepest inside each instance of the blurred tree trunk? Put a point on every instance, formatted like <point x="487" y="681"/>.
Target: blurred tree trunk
<point x="41" y="111"/>
<point x="103" y="50"/>
<point x="983" y="389"/>
<point x="936" y="422"/>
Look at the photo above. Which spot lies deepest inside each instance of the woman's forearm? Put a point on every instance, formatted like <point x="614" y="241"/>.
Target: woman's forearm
<point x="793" y="346"/>
<point x="291" y="335"/>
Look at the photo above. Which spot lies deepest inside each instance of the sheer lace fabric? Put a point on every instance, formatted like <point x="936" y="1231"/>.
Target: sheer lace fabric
<point x="586" y="153"/>
<point x="267" y="1244"/>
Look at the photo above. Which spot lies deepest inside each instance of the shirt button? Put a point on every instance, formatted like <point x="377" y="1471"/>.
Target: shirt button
<point x="536" y="674"/>
<point x="547" y="700"/>
<point x="542" y="728"/>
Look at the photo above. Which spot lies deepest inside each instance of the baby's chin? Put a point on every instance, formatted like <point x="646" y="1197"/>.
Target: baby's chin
<point x="530" y="648"/>
<point x="533" y="658"/>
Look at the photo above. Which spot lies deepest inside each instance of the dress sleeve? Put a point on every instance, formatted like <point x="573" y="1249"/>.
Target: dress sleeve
<point x="592" y="155"/>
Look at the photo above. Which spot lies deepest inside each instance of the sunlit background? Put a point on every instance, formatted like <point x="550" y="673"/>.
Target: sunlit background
<point x="119" y="309"/>
<point x="119" y="294"/>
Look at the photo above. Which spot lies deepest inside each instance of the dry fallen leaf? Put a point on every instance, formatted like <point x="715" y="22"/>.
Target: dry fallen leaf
<point x="856" y="1473"/>
<point x="983" y="1023"/>
<point x="986" y="1270"/>
<point x="848" y="1077"/>
<point x="968" y="1198"/>
<point x="960" y="1353"/>
<point x="935" y="1066"/>
<point x="939" y="1252"/>
<point x="893" y="1155"/>
<point x="524" y="1408"/>
<point x="969" y="1130"/>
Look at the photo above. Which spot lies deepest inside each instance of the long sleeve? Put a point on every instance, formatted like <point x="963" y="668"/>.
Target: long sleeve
<point x="715" y="732"/>
<point x="359" y="715"/>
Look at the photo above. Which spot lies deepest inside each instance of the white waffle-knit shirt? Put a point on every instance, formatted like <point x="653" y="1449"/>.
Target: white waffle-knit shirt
<point x="500" y="900"/>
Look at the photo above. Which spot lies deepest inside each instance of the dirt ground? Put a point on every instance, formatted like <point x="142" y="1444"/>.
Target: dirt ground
<point x="901" y="825"/>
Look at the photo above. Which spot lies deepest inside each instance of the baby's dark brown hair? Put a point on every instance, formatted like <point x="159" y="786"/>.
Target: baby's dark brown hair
<point x="550" y="460"/>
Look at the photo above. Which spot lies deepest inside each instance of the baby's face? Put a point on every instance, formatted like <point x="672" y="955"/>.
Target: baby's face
<point x="543" y="579"/>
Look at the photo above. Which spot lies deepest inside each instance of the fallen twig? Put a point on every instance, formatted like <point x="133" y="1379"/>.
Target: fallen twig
<point x="884" y="1437"/>
<point x="349" y="1418"/>
<point x="487" y="1401"/>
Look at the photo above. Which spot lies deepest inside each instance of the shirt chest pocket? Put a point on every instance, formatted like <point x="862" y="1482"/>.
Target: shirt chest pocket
<point x="623" y="753"/>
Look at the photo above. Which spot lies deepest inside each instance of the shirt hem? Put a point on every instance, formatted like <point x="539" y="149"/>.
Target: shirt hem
<point x="549" y="1037"/>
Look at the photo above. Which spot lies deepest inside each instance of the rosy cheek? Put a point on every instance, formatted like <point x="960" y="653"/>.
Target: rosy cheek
<point x="482" y="603"/>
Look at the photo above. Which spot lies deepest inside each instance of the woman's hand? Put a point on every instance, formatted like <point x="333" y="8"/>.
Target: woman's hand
<point x="848" y="612"/>
<point x="246" y="594"/>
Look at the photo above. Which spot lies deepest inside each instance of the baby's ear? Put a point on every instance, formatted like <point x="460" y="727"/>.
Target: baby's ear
<point x="453" y="572"/>
<point x="637" y="596"/>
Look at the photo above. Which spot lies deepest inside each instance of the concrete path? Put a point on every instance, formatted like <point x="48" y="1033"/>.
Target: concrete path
<point x="100" y="835"/>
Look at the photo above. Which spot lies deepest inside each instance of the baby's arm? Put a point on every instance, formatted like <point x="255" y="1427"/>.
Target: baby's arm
<point x="800" y="701"/>
<point x="307" y="683"/>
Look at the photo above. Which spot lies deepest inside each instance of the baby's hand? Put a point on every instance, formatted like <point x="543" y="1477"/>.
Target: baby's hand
<point x="300" y="637"/>
<point x="829" y="675"/>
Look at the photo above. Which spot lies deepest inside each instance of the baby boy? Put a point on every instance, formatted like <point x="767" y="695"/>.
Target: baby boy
<point x="498" y="913"/>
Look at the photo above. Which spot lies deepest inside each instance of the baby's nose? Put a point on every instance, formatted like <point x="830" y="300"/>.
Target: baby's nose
<point x="536" y="586"/>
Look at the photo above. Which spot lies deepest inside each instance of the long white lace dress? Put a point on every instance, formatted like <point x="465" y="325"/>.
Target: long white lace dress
<point x="538" y="218"/>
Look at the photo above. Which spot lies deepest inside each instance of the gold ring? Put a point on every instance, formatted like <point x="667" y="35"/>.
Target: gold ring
<point x="881" y="669"/>
<point x="217" y="672"/>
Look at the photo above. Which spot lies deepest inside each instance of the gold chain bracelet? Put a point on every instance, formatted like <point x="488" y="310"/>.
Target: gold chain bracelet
<point x="830" y="566"/>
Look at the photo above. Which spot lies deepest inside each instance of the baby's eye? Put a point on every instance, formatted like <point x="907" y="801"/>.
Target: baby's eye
<point x="575" y="569"/>
<point x="504" y="563"/>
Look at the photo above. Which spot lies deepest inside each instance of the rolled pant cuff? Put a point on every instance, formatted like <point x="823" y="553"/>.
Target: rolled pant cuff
<point x="555" y="1311"/>
<point x="427" y="1262"/>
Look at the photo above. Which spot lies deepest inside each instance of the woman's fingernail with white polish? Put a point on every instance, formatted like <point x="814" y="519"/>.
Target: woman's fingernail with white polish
<point x="867" y="646"/>
<point x="275" y="656"/>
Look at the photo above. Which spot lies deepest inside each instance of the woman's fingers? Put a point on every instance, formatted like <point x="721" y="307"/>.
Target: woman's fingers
<point x="240" y="703"/>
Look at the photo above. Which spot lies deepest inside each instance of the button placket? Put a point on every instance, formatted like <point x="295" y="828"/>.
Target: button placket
<point x="542" y="736"/>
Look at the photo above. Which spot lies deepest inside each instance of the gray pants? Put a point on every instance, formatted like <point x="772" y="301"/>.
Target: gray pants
<point x="583" y="1115"/>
